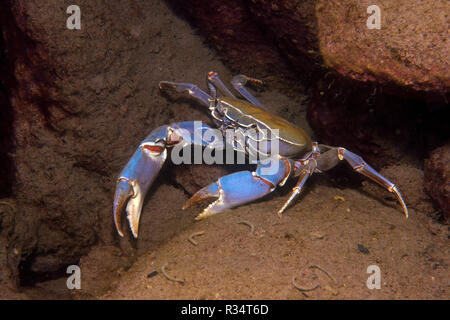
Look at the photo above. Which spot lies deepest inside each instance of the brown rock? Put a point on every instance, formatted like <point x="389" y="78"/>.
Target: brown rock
<point x="409" y="51"/>
<point x="437" y="178"/>
<point x="82" y="100"/>
<point x="100" y="268"/>
<point x="271" y="34"/>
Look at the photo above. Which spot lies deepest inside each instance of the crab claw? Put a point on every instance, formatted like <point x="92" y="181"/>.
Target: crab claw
<point x="124" y="191"/>
<point x="136" y="178"/>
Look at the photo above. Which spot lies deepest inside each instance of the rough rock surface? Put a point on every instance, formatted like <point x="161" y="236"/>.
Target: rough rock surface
<point x="239" y="33"/>
<point x="410" y="50"/>
<point x="82" y="101"/>
<point x="437" y="173"/>
<point x="100" y="266"/>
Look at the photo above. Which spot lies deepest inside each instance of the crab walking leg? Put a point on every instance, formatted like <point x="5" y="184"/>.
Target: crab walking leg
<point x="360" y="166"/>
<point x="242" y="187"/>
<point x="192" y="89"/>
<point x="330" y="158"/>
<point x="213" y="78"/>
<point x="142" y="169"/>
<point x="239" y="82"/>
<point x="306" y="171"/>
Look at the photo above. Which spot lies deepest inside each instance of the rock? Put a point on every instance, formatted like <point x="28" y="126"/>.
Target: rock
<point x="408" y="51"/>
<point x="399" y="76"/>
<point x="100" y="268"/>
<point x="233" y="31"/>
<point x="437" y="178"/>
<point x="13" y="243"/>
<point x="81" y="101"/>
<point x="317" y="235"/>
<point x="362" y="249"/>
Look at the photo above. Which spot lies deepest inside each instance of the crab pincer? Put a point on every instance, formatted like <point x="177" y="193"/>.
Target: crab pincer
<point x="135" y="180"/>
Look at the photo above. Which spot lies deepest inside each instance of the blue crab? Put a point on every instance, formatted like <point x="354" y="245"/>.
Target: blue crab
<point x="296" y="155"/>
